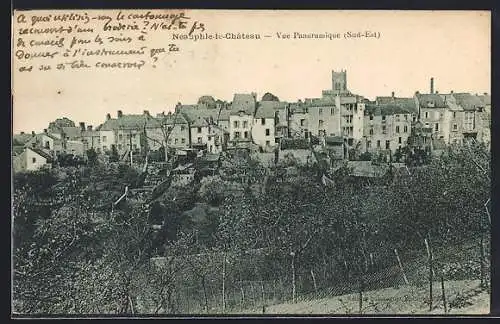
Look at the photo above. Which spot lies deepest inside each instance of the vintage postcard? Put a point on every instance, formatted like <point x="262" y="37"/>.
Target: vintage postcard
<point x="278" y="162"/>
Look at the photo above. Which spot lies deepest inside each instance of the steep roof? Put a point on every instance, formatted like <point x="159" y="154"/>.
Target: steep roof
<point x="268" y="109"/>
<point x="71" y="132"/>
<point x="130" y="122"/>
<point x="468" y="101"/>
<point x="21" y="139"/>
<point x="243" y="102"/>
<point x="193" y="113"/>
<point x="200" y="122"/>
<point x="485" y="98"/>
<point x="430" y="100"/>
<point x="41" y="152"/>
<point x="386" y="109"/>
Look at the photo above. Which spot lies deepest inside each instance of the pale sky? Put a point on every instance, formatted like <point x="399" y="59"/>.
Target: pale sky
<point x="451" y="46"/>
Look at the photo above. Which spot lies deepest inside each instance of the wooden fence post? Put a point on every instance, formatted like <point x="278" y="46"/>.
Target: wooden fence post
<point x="401" y="266"/>
<point x="223" y="283"/>
<point x="481" y="255"/>
<point x="361" y="293"/>
<point x="444" y="296"/>
<point x="293" y="277"/>
<point x="314" y="282"/>
<point x="429" y="256"/>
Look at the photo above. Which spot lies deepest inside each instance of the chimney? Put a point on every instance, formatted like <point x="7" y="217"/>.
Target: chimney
<point x="146" y="112"/>
<point x="119" y="114"/>
<point x="33" y="133"/>
<point x="22" y="133"/>
<point x="82" y="126"/>
<point x="432" y="85"/>
<point x="437" y="92"/>
<point x="108" y="116"/>
<point x="451" y="91"/>
<point x="486" y="93"/>
<point x="392" y="94"/>
<point x="45" y="130"/>
<point x="89" y="127"/>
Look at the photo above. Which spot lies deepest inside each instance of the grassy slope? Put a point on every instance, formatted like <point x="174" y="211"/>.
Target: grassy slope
<point x="405" y="300"/>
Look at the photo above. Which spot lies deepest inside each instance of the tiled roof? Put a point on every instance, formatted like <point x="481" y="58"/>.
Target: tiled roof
<point x="42" y="153"/>
<point x="21" y="139"/>
<point x="175" y="118"/>
<point x="267" y="109"/>
<point x="319" y="102"/>
<point x="200" y="122"/>
<point x="386" y="109"/>
<point x="243" y="102"/>
<point x="194" y="112"/>
<point x="486" y="99"/>
<point x="130" y="122"/>
<point x="430" y="101"/>
<point x="468" y="101"/>
<point x="72" y="132"/>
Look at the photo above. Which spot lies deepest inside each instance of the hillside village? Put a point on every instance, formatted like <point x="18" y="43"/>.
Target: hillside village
<point x="224" y="207"/>
<point x="341" y="125"/>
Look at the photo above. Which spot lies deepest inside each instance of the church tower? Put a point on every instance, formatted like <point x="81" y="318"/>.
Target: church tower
<point x="339" y="82"/>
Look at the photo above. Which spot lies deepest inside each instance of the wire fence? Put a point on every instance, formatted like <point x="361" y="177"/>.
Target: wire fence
<point x="435" y="279"/>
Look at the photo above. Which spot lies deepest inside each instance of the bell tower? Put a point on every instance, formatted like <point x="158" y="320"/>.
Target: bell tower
<point x="339" y="82"/>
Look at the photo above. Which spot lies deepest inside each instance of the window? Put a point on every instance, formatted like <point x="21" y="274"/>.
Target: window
<point x="378" y="144"/>
<point x="237" y="134"/>
<point x="371" y="131"/>
<point x="406" y="117"/>
<point x="302" y="122"/>
<point x="33" y="160"/>
<point x="387" y="144"/>
<point x="104" y="139"/>
<point x="268" y="132"/>
<point x="120" y="137"/>
<point x="135" y="146"/>
<point x="397" y="129"/>
<point x="320" y="123"/>
<point x="426" y="124"/>
<point x="399" y="140"/>
<point x="426" y="114"/>
<point x="371" y="117"/>
<point x="175" y="140"/>
<point x="263" y="121"/>
<point x="47" y="144"/>
<point x="183" y="140"/>
<point x="119" y="146"/>
<point x="245" y="124"/>
<point x="183" y="127"/>
<point x="454" y="114"/>
<point x="369" y="144"/>
<point x="455" y="127"/>
<point x="268" y="143"/>
<point x="384" y="129"/>
<point x="236" y="124"/>
<point x="245" y="134"/>
<point x="200" y="140"/>
<point x="332" y="111"/>
<point x="405" y="129"/>
<point x="104" y="147"/>
<point x="383" y="117"/>
<point x="436" y="127"/>
<point x="199" y="130"/>
<point x="320" y="111"/>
